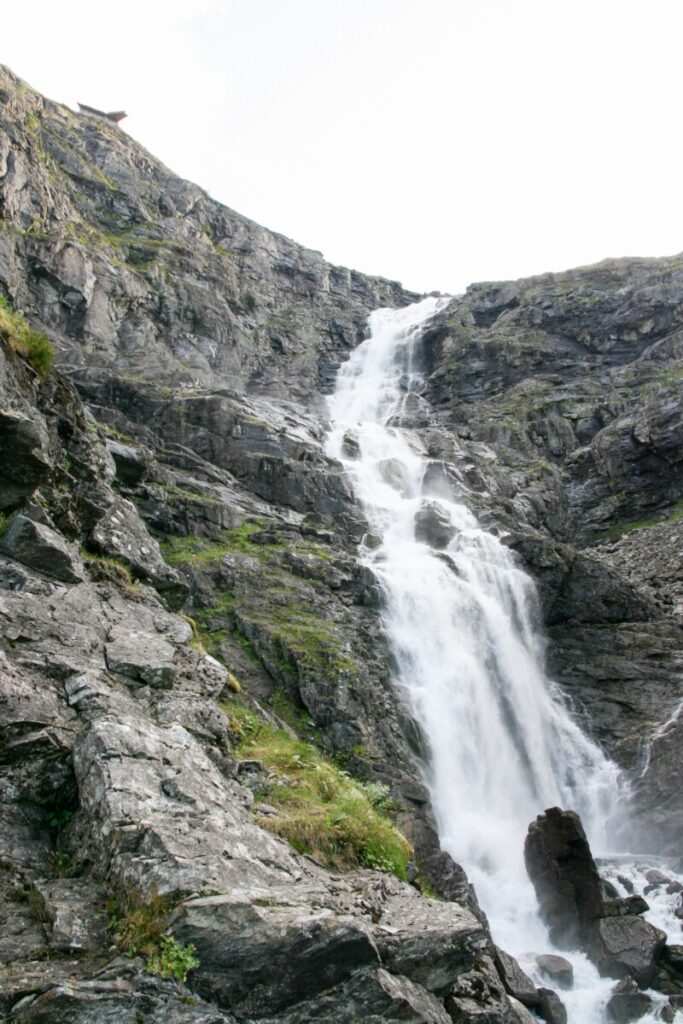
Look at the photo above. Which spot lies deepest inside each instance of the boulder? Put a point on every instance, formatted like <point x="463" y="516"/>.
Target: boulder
<point x="132" y="463"/>
<point x="433" y="525"/>
<point x="124" y="995"/>
<point x="561" y="867"/>
<point x="517" y="983"/>
<point x="669" y="975"/>
<point x="122" y="534"/>
<point x="289" y="942"/>
<point x="147" y="659"/>
<point x="623" y="905"/>
<point x="627" y="1003"/>
<point x="281" y="952"/>
<point x="550" y="1007"/>
<point x="673" y="1007"/>
<point x="370" y="995"/>
<point x="627" y="946"/>
<point x="479" y="997"/>
<point x="559" y="970"/>
<point x="42" y="548"/>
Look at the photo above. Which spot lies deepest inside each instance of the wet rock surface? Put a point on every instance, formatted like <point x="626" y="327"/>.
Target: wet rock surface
<point x="557" y="969"/>
<point x="562" y="869"/>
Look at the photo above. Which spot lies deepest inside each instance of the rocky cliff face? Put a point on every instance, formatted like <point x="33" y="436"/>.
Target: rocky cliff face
<point x="174" y="464"/>
<point x="561" y="400"/>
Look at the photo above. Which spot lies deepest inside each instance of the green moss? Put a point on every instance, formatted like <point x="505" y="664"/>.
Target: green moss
<point x="194" y="496"/>
<point x="276" y="605"/>
<point x="36" y="348"/>
<point x="295" y="717"/>
<point x="321" y="810"/>
<point x="193" y="550"/>
<point x="624" y="526"/>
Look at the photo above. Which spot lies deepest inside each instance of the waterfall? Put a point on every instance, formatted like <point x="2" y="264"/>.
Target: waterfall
<point x="461" y="618"/>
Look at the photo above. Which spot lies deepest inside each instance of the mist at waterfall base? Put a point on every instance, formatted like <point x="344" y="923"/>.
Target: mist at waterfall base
<point x="469" y="658"/>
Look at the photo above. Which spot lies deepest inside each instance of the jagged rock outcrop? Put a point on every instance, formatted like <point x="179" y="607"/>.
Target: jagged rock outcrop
<point x="570" y="895"/>
<point x="561" y="866"/>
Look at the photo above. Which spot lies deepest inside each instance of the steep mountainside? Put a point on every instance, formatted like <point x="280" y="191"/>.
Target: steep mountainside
<point x="192" y="661"/>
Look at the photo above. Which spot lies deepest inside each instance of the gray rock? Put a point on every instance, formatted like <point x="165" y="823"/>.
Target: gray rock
<point x="562" y="869"/>
<point x="555" y="967"/>
<point x="145" y="840"/>
<point x="41" y="548"/>
<point x="626" y="1003"/>
<point x="281" y="954"/>
<point x="517" y="983"/>
<point x="623" y="905"/>
<point x="75" y="916"/>
<point x="290" y="942"/>
<point x="551" y="1007"/>
<point x="371" y="996"/>
<point x="24" y="456"/>
<point x="478" y="997"/>
<point x="142" y="657"/>
<point x="132" y="463"/>
<point x="669" y="975"/>
<point x="121" y="533"/>
<point x="628" y="946"/>
<point x="433" y="525"/>
<point x="117" y="1000"/>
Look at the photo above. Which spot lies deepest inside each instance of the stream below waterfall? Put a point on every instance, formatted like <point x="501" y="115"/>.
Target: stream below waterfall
<point x="461" y="618"/>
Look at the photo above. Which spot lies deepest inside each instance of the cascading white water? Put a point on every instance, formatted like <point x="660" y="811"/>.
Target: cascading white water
<point x="461" y="623"/>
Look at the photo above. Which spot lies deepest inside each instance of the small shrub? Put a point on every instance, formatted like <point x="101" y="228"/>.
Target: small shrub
<point x="36" y="904"/>
<point x="58" y="817"/>
<point x="137" y="926"/>
<point x="61" y="862"/>
<point x="4" y="522"/>
<point x="172" y="959"/>
<point x="36" y="348"/>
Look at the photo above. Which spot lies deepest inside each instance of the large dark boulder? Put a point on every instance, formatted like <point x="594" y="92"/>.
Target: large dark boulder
<point x="561" y="867"/>
<point x="559" y="970"/>
<point x="627" y="1003"/>
<point x="628" y="945"/>
<point x="551" y="1007"/>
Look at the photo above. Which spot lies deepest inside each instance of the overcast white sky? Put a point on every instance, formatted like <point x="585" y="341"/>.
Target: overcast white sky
<point x="438" y="142"/>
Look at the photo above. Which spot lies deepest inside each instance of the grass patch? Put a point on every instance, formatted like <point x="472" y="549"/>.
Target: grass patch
<point x="196" y="550"/>
<point x="36" y="348"/>
<point x="276" y="605"/>
<point x="138" y="930"/>
<point x="106" y="569"/>
<point x="625" y="526"/>
<point x="321" y="810"/>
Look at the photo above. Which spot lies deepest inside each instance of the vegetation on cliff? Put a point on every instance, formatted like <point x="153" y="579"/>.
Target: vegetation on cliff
<point x="322" y="811"/>
<point x="34" y="346"/>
